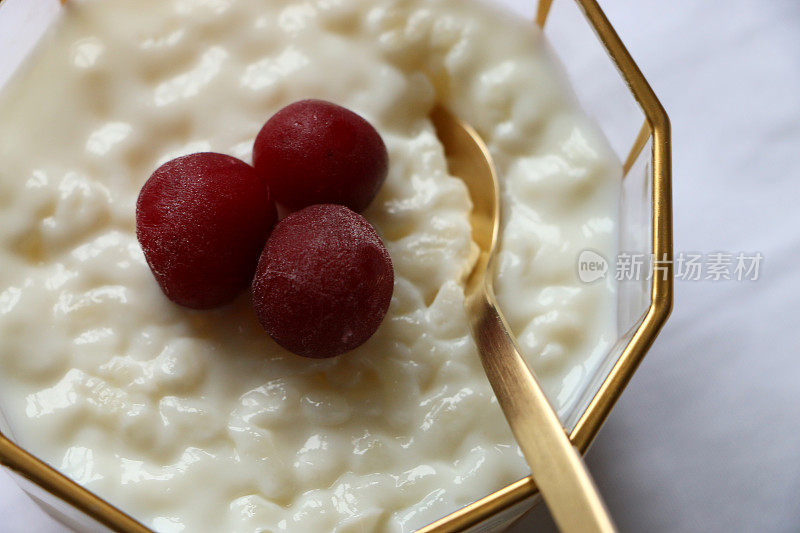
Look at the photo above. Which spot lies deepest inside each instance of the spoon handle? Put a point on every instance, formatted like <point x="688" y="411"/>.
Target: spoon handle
<point x="556" y="466"/>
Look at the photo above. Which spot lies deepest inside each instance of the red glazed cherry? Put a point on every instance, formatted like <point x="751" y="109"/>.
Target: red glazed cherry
<point x="316" y="152"/>
<point x="202" y="221"/>
<point x="324" y="281"/>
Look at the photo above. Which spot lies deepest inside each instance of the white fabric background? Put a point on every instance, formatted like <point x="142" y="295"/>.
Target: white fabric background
<point x="707" y="436"/>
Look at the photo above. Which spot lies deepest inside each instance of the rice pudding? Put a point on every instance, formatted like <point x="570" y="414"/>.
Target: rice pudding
<point x="197" y="421"/>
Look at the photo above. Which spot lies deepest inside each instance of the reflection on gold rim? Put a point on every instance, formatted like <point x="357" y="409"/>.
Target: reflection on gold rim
<point x="636" y="149"/>
<point x="656" y="125"/>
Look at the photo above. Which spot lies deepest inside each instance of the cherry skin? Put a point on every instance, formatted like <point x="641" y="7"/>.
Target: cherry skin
<point x="202" y="221"/>
<point x="315" y="152"/>
<point x="324" y="281"/>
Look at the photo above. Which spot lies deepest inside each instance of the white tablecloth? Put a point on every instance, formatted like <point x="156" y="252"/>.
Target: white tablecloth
<point x="707" y="435"/>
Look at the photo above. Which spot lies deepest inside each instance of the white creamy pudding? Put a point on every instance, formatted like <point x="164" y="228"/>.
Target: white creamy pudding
<point x="197" y="421"/>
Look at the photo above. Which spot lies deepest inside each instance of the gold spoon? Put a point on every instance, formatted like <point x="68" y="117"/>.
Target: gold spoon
<point x="556" y="466"/>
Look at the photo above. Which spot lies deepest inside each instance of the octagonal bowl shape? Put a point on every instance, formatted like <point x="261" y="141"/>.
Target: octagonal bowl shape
<point x="625" y="107"/>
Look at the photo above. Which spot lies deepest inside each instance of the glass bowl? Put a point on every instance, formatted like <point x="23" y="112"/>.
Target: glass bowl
<point x="621" y="102"/>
